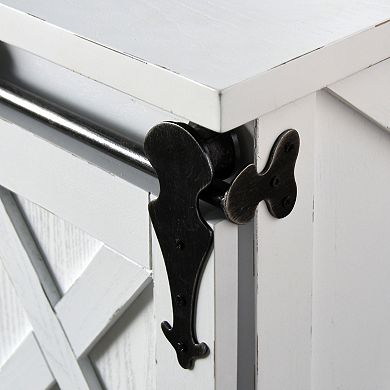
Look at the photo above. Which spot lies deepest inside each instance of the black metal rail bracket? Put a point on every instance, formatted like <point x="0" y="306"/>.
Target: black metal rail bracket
<point x="192" y="164"/>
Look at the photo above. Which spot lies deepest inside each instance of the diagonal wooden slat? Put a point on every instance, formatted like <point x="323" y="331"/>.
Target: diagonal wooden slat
<point x="99" y="297"/>
<point x="27" y="365"/>
<point x="19" y="253"/>
<point x="66" y="248"/>
<point x="106" y="288"/>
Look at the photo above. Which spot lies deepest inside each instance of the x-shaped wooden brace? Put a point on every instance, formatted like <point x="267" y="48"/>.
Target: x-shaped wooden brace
<point x="64" y="328"/>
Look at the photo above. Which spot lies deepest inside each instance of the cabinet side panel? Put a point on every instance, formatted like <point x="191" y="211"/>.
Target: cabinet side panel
<point x="284" y="261"/>
<point x="351" y="316"/>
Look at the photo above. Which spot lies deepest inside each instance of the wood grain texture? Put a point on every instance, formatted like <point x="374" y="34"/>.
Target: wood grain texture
<point x="351" y="296"/>
<point x="14" y="323"/>
<point x="66" y="249"/>
<point x="368" y="92"/>
<point x="125" y="358"/>
<point x="27" y="365"/>
<point x="96" y="300"/>
<point x="19" y="255"/>
<point x="99" y="297"/>
<point x="93" y="305"/>
<point x="285" y="260"/>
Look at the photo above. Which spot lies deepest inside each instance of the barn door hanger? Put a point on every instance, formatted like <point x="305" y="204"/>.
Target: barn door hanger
<point x="192" y="164"/>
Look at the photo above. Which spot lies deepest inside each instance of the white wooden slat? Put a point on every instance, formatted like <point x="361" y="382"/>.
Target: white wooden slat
<point x="125" y="357"/>
<point x="17" y="251"/>
<point x="103" y="205"/>
<point x="216" y="320"/>
<point x="99" y="297"/>
<point x="14" y="323"/>
<point x="368" y="92"/>
<point x="247" y="332"/>
<point x="226" y="269"/>
<point x="67" y="249"/>
<point x="285" y="260"/>
<point x="194" y="68"/>
<point x="26" y="366"/>
<point x="95" y="302"/>
<point x="351" y="295"/>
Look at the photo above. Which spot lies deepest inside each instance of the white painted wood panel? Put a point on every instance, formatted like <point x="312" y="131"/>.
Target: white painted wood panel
<point x="207" y="43"/>
<point x="368" y="92"/>
<point x="103" y="205"/>
<point x="93" y="304"/>
<point x="14" y="324"/>
<point x="284" y="260"/>
<point x="67" y="249"/>
<point x="226" y="296"/>
<point x="351" y="297"/>
<point x="189" y="60"/>
<point x="125" y="358"/>
<point x="20" y="258"/>
<point x="27" y="365"/>
<point x="99" y="297"/>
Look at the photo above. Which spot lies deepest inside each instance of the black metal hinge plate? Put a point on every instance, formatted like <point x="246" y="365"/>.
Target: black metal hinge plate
<point x="187" y="165"/>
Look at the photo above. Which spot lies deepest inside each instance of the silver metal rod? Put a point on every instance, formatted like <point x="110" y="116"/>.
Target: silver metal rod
<point x="91" y="134"/>
<point x="73" y="125"/>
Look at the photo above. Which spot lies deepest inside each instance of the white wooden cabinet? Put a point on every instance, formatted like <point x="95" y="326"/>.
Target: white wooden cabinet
<point x="299" y="303"/>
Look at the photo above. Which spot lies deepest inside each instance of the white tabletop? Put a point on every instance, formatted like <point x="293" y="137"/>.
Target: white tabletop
<point x="218" y="46"/>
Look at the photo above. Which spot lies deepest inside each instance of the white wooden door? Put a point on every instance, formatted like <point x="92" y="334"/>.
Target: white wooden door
<point x="83" y="283"/>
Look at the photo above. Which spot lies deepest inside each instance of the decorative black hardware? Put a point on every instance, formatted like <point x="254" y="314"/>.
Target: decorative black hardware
<point x="275" y="184"/>
<point x="192" y="162"/>
<point x="185" y="167"/>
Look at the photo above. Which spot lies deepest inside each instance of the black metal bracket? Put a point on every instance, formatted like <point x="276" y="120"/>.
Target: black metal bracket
<point x="189" y="164"/>
<point x="275" y="184"/>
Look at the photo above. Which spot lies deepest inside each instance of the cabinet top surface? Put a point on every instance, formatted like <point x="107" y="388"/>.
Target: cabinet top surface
<point x="216" y="44"/>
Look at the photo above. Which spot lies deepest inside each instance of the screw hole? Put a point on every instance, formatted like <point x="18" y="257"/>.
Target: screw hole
<point x="275" y="182"/>
<point x="180" y="300"/>
<point x="179" y="244"/>
<point x="181" y="346"/>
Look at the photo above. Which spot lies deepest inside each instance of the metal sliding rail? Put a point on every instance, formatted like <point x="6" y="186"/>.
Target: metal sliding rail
<point x="75" y="126"/>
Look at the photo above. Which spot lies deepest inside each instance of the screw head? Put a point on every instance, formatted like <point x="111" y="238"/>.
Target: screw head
<point x="181" y="347"/>
<point x="179" y="244"/>
<point x="203" y="348"/>
<point x="275" y="182"/>
<point x="180" y="300"/>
